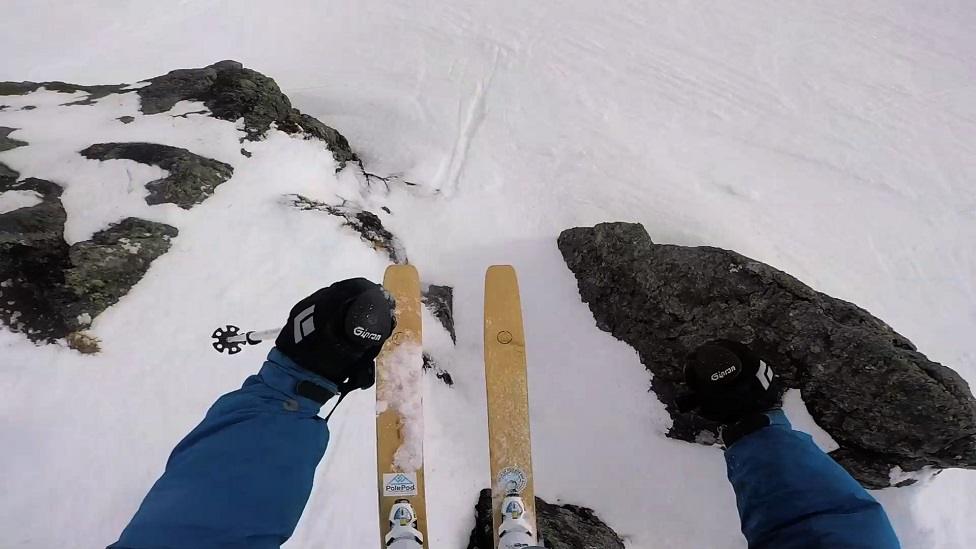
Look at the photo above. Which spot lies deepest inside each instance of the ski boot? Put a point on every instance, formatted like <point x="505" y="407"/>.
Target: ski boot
<point x="514" y="533"/>
<point x="403" y="527"/>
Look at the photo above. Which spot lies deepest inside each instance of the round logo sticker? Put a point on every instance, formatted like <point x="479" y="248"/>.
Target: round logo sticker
<point x="512" y="479"/>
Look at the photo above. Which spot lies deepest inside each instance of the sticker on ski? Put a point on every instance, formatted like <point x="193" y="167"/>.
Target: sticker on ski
<point x="399" y="484"/>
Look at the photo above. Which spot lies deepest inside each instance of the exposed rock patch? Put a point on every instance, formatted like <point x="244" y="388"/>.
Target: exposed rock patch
<point x="439" y="300"/>
<point x="232" y="92"/>
<point x="884" y="402"/>
<point x="8" y="177"/>
<point x="94" y="93"/>
<point x="192" y="178"/>
<point x="104" y="268"/>
<point x="431" y="365"/>
<point x="6" y="143"/>
<point x="48" y="289"/>
<point x="366" y="223"/>
<point x="560" y="526"/>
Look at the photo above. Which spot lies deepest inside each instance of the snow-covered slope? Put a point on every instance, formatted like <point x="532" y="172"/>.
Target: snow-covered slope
<point x="834" y="140"/>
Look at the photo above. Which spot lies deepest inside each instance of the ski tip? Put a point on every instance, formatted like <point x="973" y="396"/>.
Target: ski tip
<point x="500" y="272"/>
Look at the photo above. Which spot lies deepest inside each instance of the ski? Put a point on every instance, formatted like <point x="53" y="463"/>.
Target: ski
<point x="509" y="442"/>
<point x="399" y="419"/>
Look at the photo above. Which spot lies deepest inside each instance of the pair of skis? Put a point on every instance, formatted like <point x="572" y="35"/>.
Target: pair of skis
<point x="399" y="419"/>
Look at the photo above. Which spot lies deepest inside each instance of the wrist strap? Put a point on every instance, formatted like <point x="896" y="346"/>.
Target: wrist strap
<point x="313" y="391"/>
<point x="730" y="434"/>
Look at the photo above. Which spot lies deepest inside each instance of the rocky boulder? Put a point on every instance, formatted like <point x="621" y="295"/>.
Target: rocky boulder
<point x="103" y="269"/>
<point x="560" y="526"/>
<point x="192" y="178"/>
<point x="33" y="258"/>
<point x="229" y="90"/>
<point x="92" y="93"/>
<point x="6" y="142"/>
<point x="49" y="289"/>
<point x="884" y="402"/>
<point x="232" y="92"/>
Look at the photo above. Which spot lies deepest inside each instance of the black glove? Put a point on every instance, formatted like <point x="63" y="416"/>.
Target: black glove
<point x="730" y="385"/>
<point x="338" y="331"/>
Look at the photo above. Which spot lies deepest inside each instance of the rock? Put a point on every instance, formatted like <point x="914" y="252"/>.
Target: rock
<point x="191" y="180"/>
<point x="884" y="402"/>
<point x="232" y="92"/>
<point x="560" y="526"/>
<point x="366" y="223"/>
<point x="6" y="143"/>
<point x="8" y="178"/>
<point x="33" y="258"/>
<point x="94" y="93"/>
<point x="104" y="268"/>
<point x="126" y="119"/>
<point x="439" y="300"/>
<point x="229" y="90"/>
<point x="49" y="289"/>
<point x="431" y="365"/>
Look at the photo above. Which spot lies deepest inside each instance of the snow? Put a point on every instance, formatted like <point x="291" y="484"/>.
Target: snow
<point x="403" y="393"/>
<point x="801" y="419"/>
<point x="98" y="194"/>
<point x="15" y="200"/>
<point x="833" y="140"/>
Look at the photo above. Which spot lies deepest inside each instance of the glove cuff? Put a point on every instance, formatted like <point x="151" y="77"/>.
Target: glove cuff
<point x="730" y="434"/>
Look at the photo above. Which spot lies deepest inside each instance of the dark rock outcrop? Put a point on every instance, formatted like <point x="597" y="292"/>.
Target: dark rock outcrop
<point x="192" y="178"/>
<point x="49" y="289"/>
<point x="364" y="222"/>
<point x="439" y="300"/>
<point x="33" y="258"/>
<point x="432" y="366"/>
<point x="232" y="92"/>
<point x="8" y="177"/>
<point x="229" y="90"/>
<point x="104" y="268"/>
<point x="6" y="143"/>
<point x="94" y="93"/>
<point x="884" y="402"/>
<point x="560" y="526"/>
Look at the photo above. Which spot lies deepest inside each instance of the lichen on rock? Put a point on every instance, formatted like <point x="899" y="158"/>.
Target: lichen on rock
<point x="49" y="289"/>
<point x="104" y="268"/>
<point x="233" y="92"/>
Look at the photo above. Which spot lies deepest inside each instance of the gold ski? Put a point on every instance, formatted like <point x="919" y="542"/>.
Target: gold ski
<point x="509" y="442"/>
<point x="399" y="416"/>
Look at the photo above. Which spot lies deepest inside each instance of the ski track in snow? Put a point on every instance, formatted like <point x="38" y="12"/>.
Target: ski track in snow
<point x="832" y="140"/>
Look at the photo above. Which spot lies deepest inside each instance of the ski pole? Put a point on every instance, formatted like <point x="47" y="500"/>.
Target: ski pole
<point x="231" y="339"/>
